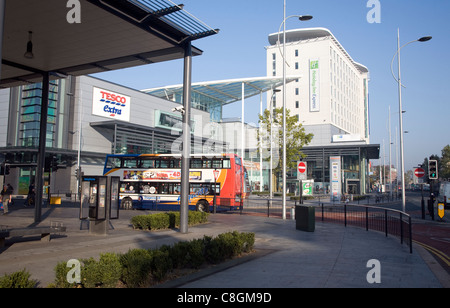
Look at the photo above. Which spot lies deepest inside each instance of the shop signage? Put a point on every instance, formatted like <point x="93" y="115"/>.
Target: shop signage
<point x="314" y="86"/>
<point x="335" y="177"/>
<point x="111" y="105"/>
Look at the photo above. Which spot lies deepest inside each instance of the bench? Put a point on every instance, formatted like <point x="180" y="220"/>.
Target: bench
<point x="44" y="232"/>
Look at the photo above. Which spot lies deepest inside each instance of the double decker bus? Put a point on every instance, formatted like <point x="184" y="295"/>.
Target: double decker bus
<point x="153" y="181"/>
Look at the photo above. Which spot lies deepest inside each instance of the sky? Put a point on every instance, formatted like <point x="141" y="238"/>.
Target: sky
<point x="238" y="51"/>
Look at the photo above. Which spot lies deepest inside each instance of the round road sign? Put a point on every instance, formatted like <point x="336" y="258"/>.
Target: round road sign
<point x="301" y="167"/>
<point x="419" y="172"/>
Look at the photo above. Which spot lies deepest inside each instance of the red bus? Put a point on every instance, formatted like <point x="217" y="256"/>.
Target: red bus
<point x="153" y="181"/>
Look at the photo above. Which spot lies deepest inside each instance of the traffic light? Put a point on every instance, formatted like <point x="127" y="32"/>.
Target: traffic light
<point x="432" y="170"/>
<point x="4" y="169"/>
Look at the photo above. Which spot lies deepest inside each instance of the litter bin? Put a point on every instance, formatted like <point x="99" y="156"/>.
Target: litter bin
<point x="305" y="218"/>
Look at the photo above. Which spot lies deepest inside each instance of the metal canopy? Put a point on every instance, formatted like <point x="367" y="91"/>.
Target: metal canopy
<point x="113" y="34"/>
<point x="225" y="91"/>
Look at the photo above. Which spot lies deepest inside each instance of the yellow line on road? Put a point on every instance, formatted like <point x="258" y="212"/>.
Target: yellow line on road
<point x="436" y="252"/>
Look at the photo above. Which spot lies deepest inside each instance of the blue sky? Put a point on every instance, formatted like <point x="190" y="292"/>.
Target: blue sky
<point x="238" y="52"/>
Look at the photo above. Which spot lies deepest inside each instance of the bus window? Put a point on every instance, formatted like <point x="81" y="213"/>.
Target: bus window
<point x="176" y="189"/>
<point x="226" y="164"/>
<point x="198" y="189"/>
<point x="217" y="188"/>
<point x="164" y="188"/>
<point x="196" y="163"/>
<point x="175" y="164"/>
<point x="164" y="163"/>
<point x="129" y="162"/>
<point x="147" y="163"/>
<point x="145" y="188"/>
<point x="128" y="187"/>
<point x="206" y="164"/>
<point x="217" y="163"/>
<point x="113" y="162"/>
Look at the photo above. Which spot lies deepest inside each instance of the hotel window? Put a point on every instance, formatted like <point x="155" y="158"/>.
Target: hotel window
<point x="296" y="52"/>
<point x="297" y="104"/>
<point x="274" y="64"/>
<point x="296" y="91"/>
<point x="296" y="65"/>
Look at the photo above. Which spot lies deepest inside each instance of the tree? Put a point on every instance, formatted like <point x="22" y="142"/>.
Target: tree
<point x="296" y="138"/>
<point x="444" y="166"/>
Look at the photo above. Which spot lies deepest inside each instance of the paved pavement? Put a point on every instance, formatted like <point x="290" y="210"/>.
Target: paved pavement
<point x="332" y="256"/>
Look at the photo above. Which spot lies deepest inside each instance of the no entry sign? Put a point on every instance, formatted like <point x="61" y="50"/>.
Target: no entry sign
<point x="419" y="172"/>
<point x="301" y="167"/>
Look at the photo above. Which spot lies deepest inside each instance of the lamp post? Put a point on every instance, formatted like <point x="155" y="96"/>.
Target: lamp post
<point x="301" y="18"/>
<point x="271" y="142"/>
<point x="402" y="163"/>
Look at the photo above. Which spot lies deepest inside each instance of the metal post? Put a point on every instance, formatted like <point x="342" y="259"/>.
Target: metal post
<point x="185" y="158"/>
<point x="390" y="158"/>
<point x="345" y="214"/>
<point x="401" y="228"/>
<point x="2" y="26"/>
<point x="367" y="218"/>
<point x="284" y="113"/>
<point x="410" y="235"/>
<point x="242" y="125"/>
<point x="322" y="213"/>
<point x="41" y="153"/>
<point x="400" y="110"/>
<point x="260" y="147"/>
<point x="385" y="222"/>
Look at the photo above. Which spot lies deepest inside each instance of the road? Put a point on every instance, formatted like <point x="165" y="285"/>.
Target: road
<point x="434" y="236"/>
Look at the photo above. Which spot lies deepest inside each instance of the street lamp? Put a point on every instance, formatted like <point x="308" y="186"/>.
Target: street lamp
<point x="271" y="142"/>
<point x="402" y="163"/>
<point x="301" y="18"/>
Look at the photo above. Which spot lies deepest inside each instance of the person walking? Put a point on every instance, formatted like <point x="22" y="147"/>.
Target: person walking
<point x="6" y="197"/>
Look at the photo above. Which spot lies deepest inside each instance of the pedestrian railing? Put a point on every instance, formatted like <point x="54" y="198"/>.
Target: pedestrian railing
<point x="388" y="221"/>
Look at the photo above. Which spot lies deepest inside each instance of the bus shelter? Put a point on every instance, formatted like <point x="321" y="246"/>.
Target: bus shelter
<point x="46" y="40"/>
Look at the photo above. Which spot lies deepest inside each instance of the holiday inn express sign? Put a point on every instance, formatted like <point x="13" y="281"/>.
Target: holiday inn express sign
<point x="314" y="81"/>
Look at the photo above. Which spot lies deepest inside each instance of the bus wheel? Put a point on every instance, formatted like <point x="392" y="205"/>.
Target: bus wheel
<point x="127" y="204"/>
<point x="203" y="206"/>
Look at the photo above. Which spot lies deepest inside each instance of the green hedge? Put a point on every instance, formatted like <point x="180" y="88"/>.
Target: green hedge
<point x="167" y="220"/>
<point x="139" y="267"/>
<point x="17" y="280"/>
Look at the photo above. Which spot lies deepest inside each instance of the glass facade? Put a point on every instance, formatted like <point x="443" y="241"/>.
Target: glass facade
<point x="30" y="114"/>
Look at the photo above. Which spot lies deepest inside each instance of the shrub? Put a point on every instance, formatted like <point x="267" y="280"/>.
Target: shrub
<point x="166" y="220"/>
<point x="18" y="280"/>
<point x="161" y="264"/>
<point x="248" y="241"/>
<point x="178" y="254"/>
<point x="104" y="273"/>
<point x="136" y="265"/>
<point x="196" y="255"/>
<point x="61" y="271"/>
<point x="140" y="222"/>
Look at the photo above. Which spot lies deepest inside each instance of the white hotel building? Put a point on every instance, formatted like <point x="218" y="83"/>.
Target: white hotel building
<point x="330" y="99"/>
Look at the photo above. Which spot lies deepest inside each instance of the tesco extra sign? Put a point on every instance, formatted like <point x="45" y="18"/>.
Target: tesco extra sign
<point x="111" y="105"/>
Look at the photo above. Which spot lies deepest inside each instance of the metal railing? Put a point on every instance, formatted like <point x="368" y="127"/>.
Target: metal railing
<point x="389" y="221"/>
